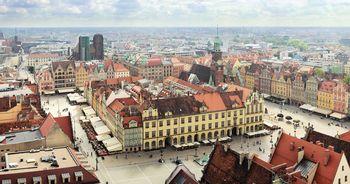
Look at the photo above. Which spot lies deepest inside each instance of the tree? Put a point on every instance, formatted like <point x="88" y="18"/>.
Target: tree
<point x="301" y="45"/>
<point x="319" y="72"/>
<point x="31" y="69"/>
<point x="347" y="79"/>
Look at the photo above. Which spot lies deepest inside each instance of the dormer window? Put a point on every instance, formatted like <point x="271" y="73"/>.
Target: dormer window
<point x="37" y="180"/>
<point x="52" y="179"/>
<point x="78" y="176"/>
<point x="21" y="181"/>
<point x="65" y="177"/>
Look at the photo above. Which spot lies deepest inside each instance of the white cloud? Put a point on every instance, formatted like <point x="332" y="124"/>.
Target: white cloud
<point x="73" y="10"/>
<point x="3" y="9"/>
<point x="21" y="11"/>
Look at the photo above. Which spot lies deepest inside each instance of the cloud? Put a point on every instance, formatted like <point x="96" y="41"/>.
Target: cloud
<point x="73" y="10"/>
<point x="3" y="9"/>
<point x="178" y="12"/>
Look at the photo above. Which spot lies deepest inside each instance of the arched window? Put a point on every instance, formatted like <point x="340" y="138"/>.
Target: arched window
<point x="189" y="139"/>
<point x="147" y="145"/>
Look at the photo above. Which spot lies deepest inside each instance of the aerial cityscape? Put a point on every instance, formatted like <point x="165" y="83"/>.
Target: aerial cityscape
<point x="174" y="92"/>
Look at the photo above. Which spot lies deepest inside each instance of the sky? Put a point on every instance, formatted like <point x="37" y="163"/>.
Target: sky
<point x="174" y="13"/>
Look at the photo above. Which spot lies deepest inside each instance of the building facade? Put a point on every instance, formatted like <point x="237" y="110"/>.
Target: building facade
<point x="63" y="74"/>
<point x="311" y="91"/>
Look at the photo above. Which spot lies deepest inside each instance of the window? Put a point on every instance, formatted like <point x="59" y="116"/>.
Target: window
<point x="222" y="115"/>
<point x="189" y="119"/>
<point x="175" y="121"/>
<point x="196" y="118"/>
<point x="168" y="122"/>
<point x="229" y="114"/>
<point x="146" y="134"/>
<point x="196" y="128"/>
<point x="160" y="133"/>
<point x="235" y="113"/>
<point x="210" y="117"/>
<point x="153" y="124"/>
<point x="189" y="129"/>
<point x="209" y="125"/>
<point x="241" y="112"/>
<point x="182" y="130"/>
<point x="339" y="181"/>
<point x="216" y="115"/>
<point x="182" y="120"/>
<point x="168" y="132"/>
<point x="153" y="134"/>
<point x="346" y="178"/>
<point x="342" y="168"/>
<point x="216" y="124"/>
<point x="203" y="117"/>
<point x="175" y="131"/>
<point x="247" y="120"/>
<point x="147" y="124"/>
<point x="240" y="120"/>
<point x="203" y="127"/>
<point x="160" y="123"/>
<point x="222" y="123"/>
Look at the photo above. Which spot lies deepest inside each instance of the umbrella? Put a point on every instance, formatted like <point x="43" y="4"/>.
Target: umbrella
<point x="296" y="121"/>
<point x="280" y="115"/>
<point x="289" y="117"/>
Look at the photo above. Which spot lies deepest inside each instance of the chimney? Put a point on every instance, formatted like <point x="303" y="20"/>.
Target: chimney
<point x="291" y="146"/>
<point x="331" y="148"/>
<point x="300" y="153"/>
<point x="326" y="158"/>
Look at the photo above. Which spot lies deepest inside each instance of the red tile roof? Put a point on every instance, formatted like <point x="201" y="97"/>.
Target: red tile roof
<point x="283" y="153"/>
<point x="154" y="61"/>
<point x="345" y="136"/>
<point x="64" y="123"/>
<point x="213" y="101"/>
<point x="120" y="68"/>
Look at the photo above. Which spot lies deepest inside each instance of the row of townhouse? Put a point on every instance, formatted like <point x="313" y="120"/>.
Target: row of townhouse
<point x="300" y="88"/>
<point x="142" y="123"/>
<point x="62" y="75"/>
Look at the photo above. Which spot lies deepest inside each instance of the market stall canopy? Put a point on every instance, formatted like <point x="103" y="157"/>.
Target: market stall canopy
<point x="102" y="130"/>
<point x="103" y="137"/>
<point x="338" y="115"/>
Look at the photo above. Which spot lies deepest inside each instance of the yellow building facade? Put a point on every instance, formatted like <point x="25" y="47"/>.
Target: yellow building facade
<point x="81" y="75"/>
<point x="325" y="100"/>
<point x="212" y="116"/>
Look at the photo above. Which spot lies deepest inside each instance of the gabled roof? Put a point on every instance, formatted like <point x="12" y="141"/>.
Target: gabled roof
<point x="63" y="122"/>
<point x="338" y="144"/>
<point x="230" y="167"/>
<point x="287" y="152"/>
<point x="120" y="68"/>
<point x="181" y="174"/>
<point x="346" y="137"/>
<point x="63" y="64"/>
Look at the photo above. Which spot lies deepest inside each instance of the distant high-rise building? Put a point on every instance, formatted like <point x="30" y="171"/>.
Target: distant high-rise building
<point x="84" y="48"/>
<point x="98" y="46"/>
<point x="2" y="36"/>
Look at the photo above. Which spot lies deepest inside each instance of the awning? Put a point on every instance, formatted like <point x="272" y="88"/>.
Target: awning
<point x="113" y="148"/>
<point x="190" y="144"/>
<point x="307" y="107"/>
<point x="323" y="111"/>
<point x="49" y="92"/>
<point x="110" y="142"/>
<point x="212" y="140"/>
<point x="97" y="124"/>
<point x="103" y="137"/>
<point x="102" y="130"/>
<point x="205" y="141"/>
<point x="177" y="146"/>
<point x="66" y="90"/>
<point x="260" y="132"/>
<point x="95" y="119"/>
<point x="338" y="115"/>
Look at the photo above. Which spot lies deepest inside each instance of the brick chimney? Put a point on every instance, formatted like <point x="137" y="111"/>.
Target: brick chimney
<point x="331" y="148"/>
<point x="291" y="146"/>
<point x="326" y="157"/>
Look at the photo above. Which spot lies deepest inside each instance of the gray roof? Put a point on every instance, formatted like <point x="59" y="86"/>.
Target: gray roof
<point x="23" y="136"/>
<point x="305" y="166"/>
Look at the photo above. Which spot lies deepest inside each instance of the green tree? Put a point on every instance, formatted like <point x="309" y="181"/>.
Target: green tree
<point x="347" y="79"/>
<point x="297" y="44"/>
<point x="319" y="72"/>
